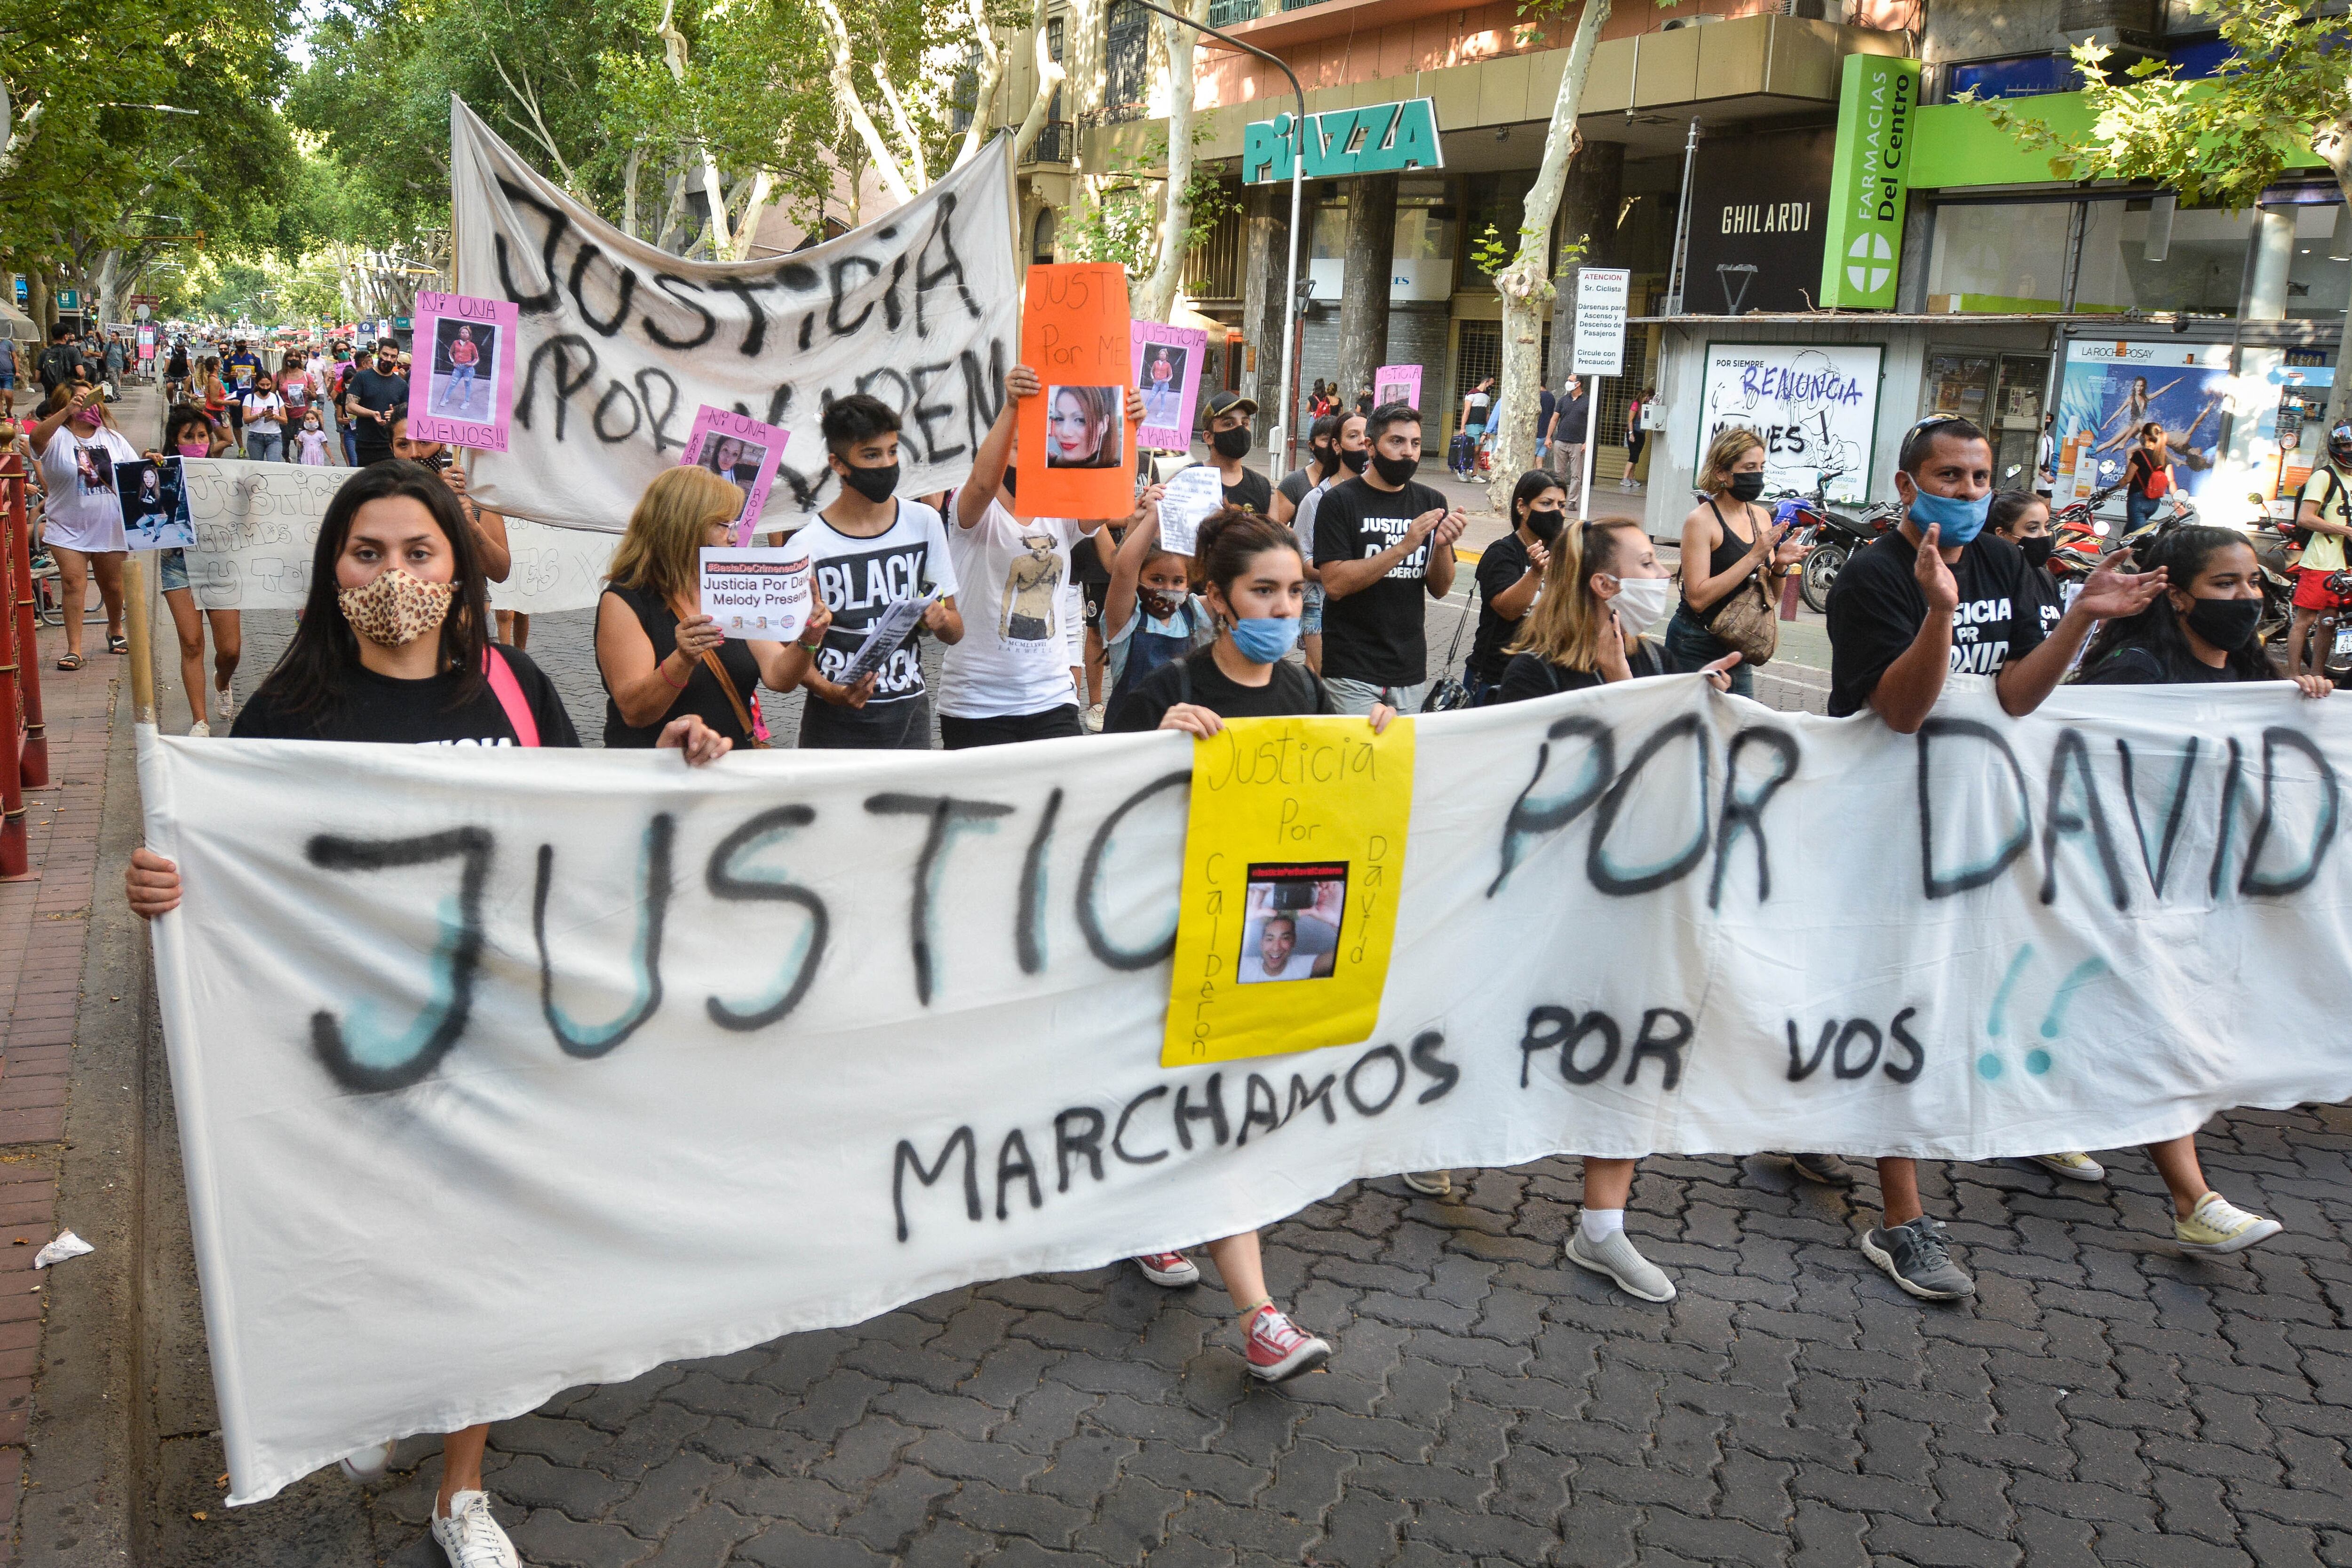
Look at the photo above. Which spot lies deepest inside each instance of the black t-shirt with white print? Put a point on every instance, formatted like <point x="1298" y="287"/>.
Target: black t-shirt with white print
<point x="413" y="713"/>
<point x="860" y="578"/>
<point x="1875" y="610"/>
<point x="1375" y="634"/>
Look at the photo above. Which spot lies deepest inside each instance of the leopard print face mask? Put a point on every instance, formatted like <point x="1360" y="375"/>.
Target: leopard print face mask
<point x="395" y="609"/>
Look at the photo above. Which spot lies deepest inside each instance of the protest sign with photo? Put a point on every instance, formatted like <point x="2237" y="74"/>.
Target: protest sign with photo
<point x="740" y="450"/>
<point x="618" y="342"/>
<point x="1078" y="457"/>
<point x="154" y="504"/>
<point x="1168" y="361"/>
<point x="1396" y="383"/>
<point x="462" y="391"/>
<point x="933" y="989"/>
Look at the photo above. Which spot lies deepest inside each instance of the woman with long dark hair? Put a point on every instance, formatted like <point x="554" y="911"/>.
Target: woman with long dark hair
<point x="1510" y="574"/>
<point x="1254" y="587"/>
<point x="393" y="646"/>
<point x="2200" y="630"/>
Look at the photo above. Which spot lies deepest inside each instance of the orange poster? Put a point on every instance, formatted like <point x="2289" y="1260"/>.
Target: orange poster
<point x="1077" y="455"/>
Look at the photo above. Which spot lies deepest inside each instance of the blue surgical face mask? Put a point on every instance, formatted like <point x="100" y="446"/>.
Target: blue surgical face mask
<point x="1265" y="639"/>
<point x="1958" y="520"/>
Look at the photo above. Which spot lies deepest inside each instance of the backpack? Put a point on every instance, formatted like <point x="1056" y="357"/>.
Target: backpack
<point x="57" y="366"/>
<point x="2300" y="536"/>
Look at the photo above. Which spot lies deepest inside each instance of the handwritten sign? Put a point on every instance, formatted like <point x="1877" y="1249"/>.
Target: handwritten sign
<point x="462" y="389"/>
<point x="1168" y="361"/>
<point x="1190" y="498"/>
<point x="740" y="450"/>
<point x="1077" y="457"/>
<point x="1294" y="857"/>
<point x="758" y="591"/>
<point x="1396" y="383"/>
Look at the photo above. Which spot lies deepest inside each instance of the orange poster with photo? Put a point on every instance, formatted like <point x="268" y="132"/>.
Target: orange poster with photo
<point x="1077" y="455"/>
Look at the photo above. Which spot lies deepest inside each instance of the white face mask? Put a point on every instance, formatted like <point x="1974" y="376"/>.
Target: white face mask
<point x="1641" y="603"/>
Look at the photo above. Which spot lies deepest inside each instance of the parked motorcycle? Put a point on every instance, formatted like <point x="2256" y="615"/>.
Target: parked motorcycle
<point x="1834" y="535"/>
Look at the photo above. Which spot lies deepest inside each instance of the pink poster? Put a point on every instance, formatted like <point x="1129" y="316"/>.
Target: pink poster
<point x="1397" y="383"/>
<point x="737" y="448"/>
<point x="1168" y="373"/>
<point x="461" y="390"/>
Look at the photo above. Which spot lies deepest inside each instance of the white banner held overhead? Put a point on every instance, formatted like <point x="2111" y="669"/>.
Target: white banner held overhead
<point x="932" y="987"/>
<point x="257" y="525"/>
<point x="620" y="341"/>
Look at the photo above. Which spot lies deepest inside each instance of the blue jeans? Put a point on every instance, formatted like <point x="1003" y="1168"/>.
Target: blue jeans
<point x="265" y="448"/>
<point x="2137" y="510"/>
<point x="1690" y="646"/>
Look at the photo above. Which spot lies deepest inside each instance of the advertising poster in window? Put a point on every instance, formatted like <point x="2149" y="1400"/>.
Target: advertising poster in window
<point x="2284" y="423"/>
<point x="1815" y="404"/>
<point x="2113" y="390"/>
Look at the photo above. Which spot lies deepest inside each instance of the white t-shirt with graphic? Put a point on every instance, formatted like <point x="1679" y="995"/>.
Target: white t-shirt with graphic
<point x="859" y="577"/>
<point x="84" y="509"/>
<point x="1014" y="658"/>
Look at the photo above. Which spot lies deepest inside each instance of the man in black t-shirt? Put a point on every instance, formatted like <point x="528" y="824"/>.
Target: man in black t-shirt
<point x="1934" y="597"/>
<point x="1229" y="442"/>
<point x="1380" y="542"/>
<point x="371" y="395"/>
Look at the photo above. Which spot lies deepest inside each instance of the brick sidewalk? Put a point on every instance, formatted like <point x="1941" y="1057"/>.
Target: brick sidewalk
<point x="44" y="924"/>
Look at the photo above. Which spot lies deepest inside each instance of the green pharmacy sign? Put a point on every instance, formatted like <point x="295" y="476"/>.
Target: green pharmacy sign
<point x="1878" y="106"/>
<point x="1381" y="139"/>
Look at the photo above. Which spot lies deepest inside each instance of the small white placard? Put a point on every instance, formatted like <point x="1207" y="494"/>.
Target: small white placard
<point x="760" y="592"/>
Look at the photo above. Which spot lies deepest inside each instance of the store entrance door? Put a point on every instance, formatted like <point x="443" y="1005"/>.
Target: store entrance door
<point x="2018" y="388"/>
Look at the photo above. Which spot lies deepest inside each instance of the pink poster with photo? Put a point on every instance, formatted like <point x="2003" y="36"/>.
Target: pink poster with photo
<point x="462" y="384"/>
<point x="1167" y="363"/>
<point x="1396" y="383"/>
<point x="740" y="449"/>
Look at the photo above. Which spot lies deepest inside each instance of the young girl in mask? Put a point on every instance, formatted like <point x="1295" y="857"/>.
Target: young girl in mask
<point x="1256" y="584"/>
<point x="2201" y="629"/>
<point x="1151" y="614"/>
<point x="1727" y="539"/>
<point x="1603" y="589"/>
<point x="311" y="443"/>
<point x="393" y="646"/>
<point x="189" y="434"/>
<point x="1510" y="571"/>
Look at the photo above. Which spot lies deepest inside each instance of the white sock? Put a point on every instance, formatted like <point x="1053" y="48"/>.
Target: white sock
<point x="1601" y="1224"/>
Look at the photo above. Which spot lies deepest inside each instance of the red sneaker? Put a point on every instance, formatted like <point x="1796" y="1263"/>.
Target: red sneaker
<point x="1172" y="1270"/>
<point x="1278" y="1348"/>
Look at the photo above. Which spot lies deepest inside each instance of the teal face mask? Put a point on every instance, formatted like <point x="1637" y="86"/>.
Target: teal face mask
<point x="1265" y="639"/>
<point x="1958" y="521"/>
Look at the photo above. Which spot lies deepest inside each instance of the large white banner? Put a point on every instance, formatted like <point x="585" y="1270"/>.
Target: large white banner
<point x="1815" y="404"/>
<point x="620" y="341"/>
<point x="503" y="1071"/>
<point x="257" y="525"/>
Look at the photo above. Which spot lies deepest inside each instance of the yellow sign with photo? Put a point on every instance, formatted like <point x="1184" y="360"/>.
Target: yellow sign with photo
<point x="1294" y="859"/>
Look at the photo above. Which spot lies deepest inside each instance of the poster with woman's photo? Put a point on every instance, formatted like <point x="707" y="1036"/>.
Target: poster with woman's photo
<point x="740" y="450"/>
<point x="1082" y="427"/>
<point x="1076" y="459"/>
<point x="154" y="505"/>
<point x="1168" y="361"/>
<point x="461" y="390"/>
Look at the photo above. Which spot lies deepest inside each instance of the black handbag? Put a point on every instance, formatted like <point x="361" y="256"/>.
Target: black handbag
<point x="1450" y="693"/>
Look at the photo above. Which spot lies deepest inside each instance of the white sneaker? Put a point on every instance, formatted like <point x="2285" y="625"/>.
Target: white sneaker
<point x="366" y="1464"/>
<point x="2075" y="1166"/>
<point x="201" y="730"/>
<point x="470" y="1537"/>
<point x="1093" y="719"/>
<point x="2217" y="1226"/>
<point x="1429" y="1184"/>
<point x="1616" y="1256"/>
<point x="225" y="701"/>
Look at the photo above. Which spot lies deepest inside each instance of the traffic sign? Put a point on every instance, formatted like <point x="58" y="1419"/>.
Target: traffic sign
<point x="146" y="299"/>
<point x="1600" y="296"/>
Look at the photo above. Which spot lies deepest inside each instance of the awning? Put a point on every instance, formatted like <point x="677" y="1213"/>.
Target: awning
<point x="15" y="323"/>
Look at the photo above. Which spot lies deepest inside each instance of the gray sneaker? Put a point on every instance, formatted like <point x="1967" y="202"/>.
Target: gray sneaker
<point x="1616" y="1257"/>
<point x="1914" y="1258"/>
<point x="1429" y="1184"/>
<point x="1826" y="1169"/>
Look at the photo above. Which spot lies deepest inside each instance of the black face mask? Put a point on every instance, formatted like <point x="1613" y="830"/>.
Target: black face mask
<point x="2036" y="552"/>
<point x="1230" y="443"/>
<point x="1544" y="522"/>
<point x="874" y="484"/>
<point x="1324" y="458"/>
<point x="1158" y="605"/>
<point x="1746" y="487"/>
<point x="1356" y="461"/>
<point x="2227" y="623"/>
<point x="1397" y="470"/>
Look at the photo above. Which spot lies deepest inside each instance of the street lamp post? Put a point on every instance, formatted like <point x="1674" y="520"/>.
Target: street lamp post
<point x="1296" y="130"/>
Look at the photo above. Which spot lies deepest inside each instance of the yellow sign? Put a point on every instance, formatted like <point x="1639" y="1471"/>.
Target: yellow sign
<point x="1294" y="859"/>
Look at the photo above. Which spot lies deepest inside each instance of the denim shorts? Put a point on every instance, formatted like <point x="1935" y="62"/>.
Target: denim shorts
<point x="171" y="567"/>
<point x="1310" y="617"/>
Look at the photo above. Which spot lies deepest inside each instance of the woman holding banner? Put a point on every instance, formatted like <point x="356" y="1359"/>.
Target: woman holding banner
<point x="188" y="434"/>
<point x="661" y="656"/>
<point x="393" y="646"/>
<point x="1255" y="587"/>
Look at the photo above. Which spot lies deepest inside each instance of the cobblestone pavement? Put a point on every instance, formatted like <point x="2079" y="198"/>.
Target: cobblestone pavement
<point x="2104" y="1399"/>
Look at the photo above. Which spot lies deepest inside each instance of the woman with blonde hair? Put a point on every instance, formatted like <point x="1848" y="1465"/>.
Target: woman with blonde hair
<point x="1718" y="558"/>
<point x="660" y="656"/>
<point x="1602" y="590"/>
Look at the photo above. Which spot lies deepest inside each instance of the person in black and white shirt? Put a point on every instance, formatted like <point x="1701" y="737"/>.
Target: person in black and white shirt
<point x="1380" y="542"/>
<point x="869" y="550"/>
<point x="1934" y="598"/>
